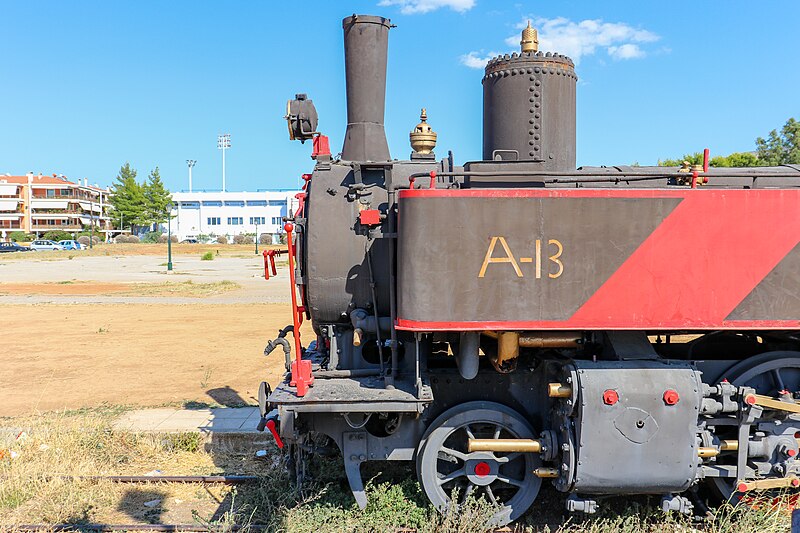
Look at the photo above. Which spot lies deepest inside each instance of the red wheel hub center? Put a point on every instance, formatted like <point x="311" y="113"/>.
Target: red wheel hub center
<point x="482" y="469"/>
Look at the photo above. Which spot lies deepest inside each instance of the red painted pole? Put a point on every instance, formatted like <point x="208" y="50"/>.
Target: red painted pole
<point x="706" y="153"/>
<point x="301" y="368"/>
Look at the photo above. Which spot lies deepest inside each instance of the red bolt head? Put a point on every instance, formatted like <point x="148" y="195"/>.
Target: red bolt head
<point x="741" y="487"/>
<point x="482" y="469"/>
<point x="671" y="397"/>
<point x="610" y="397"/>
<point x="791" y="453"/>
<point x="288" y="227"/>
<point x="750" y="399"/>
<point x="796" y="482"/>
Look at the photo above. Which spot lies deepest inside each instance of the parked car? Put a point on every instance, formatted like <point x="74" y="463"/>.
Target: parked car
<point x="189" y="241"/>
<point x="43" y="244"/>
<point x="13" y="247"/>
<point x="71" y="245"/>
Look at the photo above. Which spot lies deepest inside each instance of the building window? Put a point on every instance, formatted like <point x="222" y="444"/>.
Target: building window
<point x="190" y="205"/>
<point x="235" y="221"/>
<point x="51" y="193"/>
<point x="213" y="221"/>
<point x="235" y="203"/>
<point x="257" y="203"/>
<point x="66" y="192"/>
<point x="212" y="203"/>
<point x="277" y="220"/>
<point x="281" y="203"/>
<point x="257" y="220"/>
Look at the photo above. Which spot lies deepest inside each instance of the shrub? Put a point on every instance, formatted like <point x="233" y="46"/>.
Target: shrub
<point x="162" y="239"/>
<point x="84" y="240"/>
<point x="57" y="235"/>
<point x="208" y="256"/>
<point x="222" y="239"/>
<point x="152" y="237"/>
<point x="130" y="239"/>
<point x="243" y="239"/>
<point x="265" y="238"/>
<point x="21" y="236"/>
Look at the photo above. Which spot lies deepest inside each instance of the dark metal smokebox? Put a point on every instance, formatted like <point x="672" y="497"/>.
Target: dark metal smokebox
<point x="529" y="109"/>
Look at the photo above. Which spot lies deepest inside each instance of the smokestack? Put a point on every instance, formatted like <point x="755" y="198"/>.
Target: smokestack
<point x="366" y="40"/>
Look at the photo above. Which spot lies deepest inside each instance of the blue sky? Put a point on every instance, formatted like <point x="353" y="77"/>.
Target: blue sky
<point x="88" y="85"/>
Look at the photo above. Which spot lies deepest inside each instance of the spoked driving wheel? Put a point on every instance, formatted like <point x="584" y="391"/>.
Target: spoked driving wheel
<point x="770" y="374"/>
<point x="447" y="470"/>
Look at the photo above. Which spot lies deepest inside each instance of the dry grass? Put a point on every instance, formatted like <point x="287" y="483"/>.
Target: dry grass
<point x="185" y="288"/>
<point x="84" y="443"/>
<point x="220" y="250"/>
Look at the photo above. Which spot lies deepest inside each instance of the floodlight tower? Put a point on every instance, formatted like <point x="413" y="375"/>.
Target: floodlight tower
<point x="191" y="163"/>
<point x="223" y="143"/>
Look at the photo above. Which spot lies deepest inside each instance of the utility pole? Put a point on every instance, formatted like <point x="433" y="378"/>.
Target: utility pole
<point x="223" y="143"/>
<point x="256" y="236"/>
<point x="191" y="163"/>
<point x="169" y="235"/>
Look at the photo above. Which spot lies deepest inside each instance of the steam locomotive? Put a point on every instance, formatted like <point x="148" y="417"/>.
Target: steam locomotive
<point x="613" y="330"/>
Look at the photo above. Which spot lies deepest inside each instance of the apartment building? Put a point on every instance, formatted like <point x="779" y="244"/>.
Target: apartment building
<point x="37" y="204"/>
<point x="231" y="213"/>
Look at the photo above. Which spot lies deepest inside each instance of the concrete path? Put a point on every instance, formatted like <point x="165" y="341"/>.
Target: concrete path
<point x="218" y="420"/>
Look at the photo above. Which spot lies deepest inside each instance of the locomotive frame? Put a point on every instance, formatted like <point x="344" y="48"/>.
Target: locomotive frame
<point x="615" y="330"/>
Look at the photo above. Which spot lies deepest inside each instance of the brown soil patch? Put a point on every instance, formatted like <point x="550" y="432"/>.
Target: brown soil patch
<point x="73" y="288"/>
<point x="98" y="288"/>
<point x="73" y="356"/>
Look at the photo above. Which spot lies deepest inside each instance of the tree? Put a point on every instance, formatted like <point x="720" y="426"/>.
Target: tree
<point x="736" y="159"/>
<point x="780" y="148"/>
<point x="157" y="199"/>
<point x="128" y="199"/>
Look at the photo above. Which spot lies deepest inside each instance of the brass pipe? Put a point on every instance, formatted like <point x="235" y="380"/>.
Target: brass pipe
<point x="557" y="390"/>
<point x="728" y="445"/>
<point x="544" y="339"/>
<point x="550" y="339"/>
<point x="504" y="445"/>
<point x="544" y="471"/>
<point x="707" y="451"/>
<point x="507" y="346"/>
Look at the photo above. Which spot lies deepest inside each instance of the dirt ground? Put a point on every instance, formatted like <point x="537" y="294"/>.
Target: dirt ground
<point x="116" y="329"/>
<point x="72" y="356"/>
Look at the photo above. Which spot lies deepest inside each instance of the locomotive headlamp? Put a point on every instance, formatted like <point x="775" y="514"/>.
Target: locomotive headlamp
<point x="301" y="117"/>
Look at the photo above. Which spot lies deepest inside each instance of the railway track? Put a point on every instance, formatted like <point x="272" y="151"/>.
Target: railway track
<point x="200" y="480"/>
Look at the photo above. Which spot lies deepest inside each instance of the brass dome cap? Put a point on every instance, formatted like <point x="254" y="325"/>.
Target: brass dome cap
<point x="422" y="137"/>
<point x="530" y="39"/>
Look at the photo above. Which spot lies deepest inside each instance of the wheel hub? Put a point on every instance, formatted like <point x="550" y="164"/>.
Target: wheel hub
<point x="481" y="468"/>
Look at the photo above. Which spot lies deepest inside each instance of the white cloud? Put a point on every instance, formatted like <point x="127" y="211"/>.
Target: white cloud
<point x="474" y="60"/>
<point x="585" y="38"/>
<point x="626" y="51"/>
<point x="412" y="7"/>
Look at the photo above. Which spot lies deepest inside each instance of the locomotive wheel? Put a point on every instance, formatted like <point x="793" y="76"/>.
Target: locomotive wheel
<point x="445" y="468"/>
<point x="767" y="373"/>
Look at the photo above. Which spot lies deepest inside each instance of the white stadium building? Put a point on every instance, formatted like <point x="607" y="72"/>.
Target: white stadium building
<point x="215" y="214"/>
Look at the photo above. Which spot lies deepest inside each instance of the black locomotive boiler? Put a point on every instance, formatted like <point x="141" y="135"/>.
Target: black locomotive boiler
<point x="514" y="320"/>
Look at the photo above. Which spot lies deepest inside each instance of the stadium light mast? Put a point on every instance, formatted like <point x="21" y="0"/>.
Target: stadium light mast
<point x="191" y="163"/>
<point x="223" y="143"/>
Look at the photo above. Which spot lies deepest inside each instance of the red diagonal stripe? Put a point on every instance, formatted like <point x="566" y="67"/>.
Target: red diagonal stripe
<point x="701" y="262"/>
